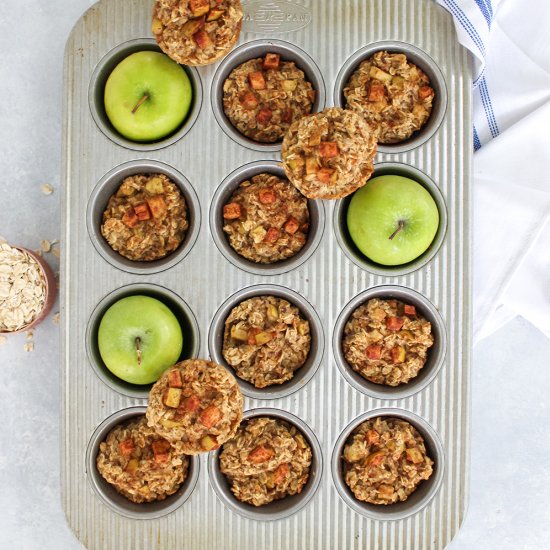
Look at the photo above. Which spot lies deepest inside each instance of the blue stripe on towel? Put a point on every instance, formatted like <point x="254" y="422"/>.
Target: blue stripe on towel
<point x="477" y="143"/>
<point x="467" y="24"/>
<point x="486" y="10"/>
<point x="488" y="107"/>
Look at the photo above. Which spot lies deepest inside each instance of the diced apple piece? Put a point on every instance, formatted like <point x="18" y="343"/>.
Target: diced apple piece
<point x="172" y="397"/>
<point x="280" y="473"/>
<point x="314" y="139"/>
<point x="394" y="323"/>
<point x="126" y="190"/>
<point x="199" y="7"/>
<point x="156" y="26"/>
<point x="291" y="225"/>
<point x="158" y="207"/>
<point x="251" y="339"/>
<point x="154" y="186"/>
<point x="161" y="450"/>
<point x="258" y="234"/>
<point x="414" y="455"/>
<point x="289" y="85"/>
<point x="142" y="211"/>
<point x="325" y="175"/>
<point x="353" y="453"/>
<point x="328" y="149"/>
<point x="398" y="354"/>
<point x="239" y="333"/>
<point x="130" y="218"/>
<point x="409" y="310"/>
<point x="425" y="92"/>
<point x="261" y="454"/>
<point x="272" y="313"/>
<point x="126" y="447"/>
<point x="214" y="15"/>
<point x="264" y="337"/>
<point x="375" y="459"/>
<point x="209" y="443"/>
<point x="311" y="165"/>
<point x="192" y="26"/>
<point x="271" y="61"/>
<point x="267" y="195"/>
<point x="210" y="416"/>
<point x="293" y="164"/>
<point x="232" y="211"/>
<point x="264" y="116"/>
<point x="398" y="82"/>
<point x="303" y="328"/>
<point x="132" y="466"/>
<point x="170" y="423"/>
<point x="192" y="403"/>
<point x="272" y="235"/>
<point x="249" y="101"/>
<point x="377" y="91"/>
<point x="386" y="492"/>
<point x="174" y="379"/>
<point x="202" y="39"/>
<point x="287" y="115"/>
<point x="257" y="80"/>
<point x="374" y="351"/>
<point x="373" y="437"/>
<point x="379" y="74"/>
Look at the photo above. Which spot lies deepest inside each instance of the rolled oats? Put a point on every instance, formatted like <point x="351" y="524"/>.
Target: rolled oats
<point x="46" y="188"/>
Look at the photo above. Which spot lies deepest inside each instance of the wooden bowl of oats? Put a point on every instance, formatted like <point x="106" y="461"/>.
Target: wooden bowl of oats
<point x="27" y="289"/>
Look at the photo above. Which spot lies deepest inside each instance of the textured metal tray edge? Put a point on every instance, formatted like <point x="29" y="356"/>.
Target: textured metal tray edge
<point x="432" y="535"/>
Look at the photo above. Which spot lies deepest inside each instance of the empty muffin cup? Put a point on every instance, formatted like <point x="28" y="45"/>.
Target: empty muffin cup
<point x="278" y="509"/>
<point x="416" y="501"/>
<point x="111" y="497"/>
<point x="108" y="186"/>
<point x="424" y="62"/>
<point x="252" y="50"/>
<point x="436" y="353"/>
<point x="357" y="257"/>
<point x="222" y="196"/>
<point x="97" y="103"/>
<point x="183" y="313"/>
<point x="302" y="375"/>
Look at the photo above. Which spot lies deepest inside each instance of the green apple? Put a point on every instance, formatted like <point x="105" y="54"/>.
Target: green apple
<point x="139" y="338"/>
<point x="392" y="220"/>
<point x="147" y="96"/>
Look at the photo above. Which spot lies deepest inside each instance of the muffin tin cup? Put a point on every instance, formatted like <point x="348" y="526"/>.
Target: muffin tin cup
<point x="423" y="61"/>
<point x="119" y="503"/>
<point x="186" y="319"/>
<point x="96" y="91"/>
<point x="302" y="375"/>
<point x="252" y="50"/>
<point x="425" y="492"/>
<point x="222" y="196"/>
<point x="109" y="184"/>
<point x="277" y="509"/>
<point x="436" y="354"/>
<point x="357" y="257"/>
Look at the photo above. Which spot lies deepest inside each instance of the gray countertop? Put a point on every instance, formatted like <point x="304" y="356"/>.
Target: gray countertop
<point x="510" y="471"/>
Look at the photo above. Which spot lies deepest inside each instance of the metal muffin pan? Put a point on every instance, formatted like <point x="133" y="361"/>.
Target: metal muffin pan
<point x="184" y="314"/>
<point x="424" y="493"/>
<point x="108" y="186"/>
<point x="119" y="503"/>
<point x="96" y="92"/>
<point x="278" y="509"/>
<point x="423" y="61"/>
<point x="222" y="196"/>
<point x="252" y="50"/>
<point x="301" y="376"/>
<point x="330" y="34"/>
<point x="357" y="257"/>
<point x="436" y="354"/>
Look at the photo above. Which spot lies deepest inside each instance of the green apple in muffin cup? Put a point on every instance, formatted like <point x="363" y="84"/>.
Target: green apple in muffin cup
<point x="139" y="338"/>
<point x="147" y="96"/>
<point x="392" y="220"/>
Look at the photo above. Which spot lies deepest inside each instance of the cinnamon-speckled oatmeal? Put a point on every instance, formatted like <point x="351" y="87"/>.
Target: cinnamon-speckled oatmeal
<point x="263" y="96"/>
<point x="197" y="32"/>
<point x="329" y="155"/>
<point x="140" y="464"/>
<point x="387" y="341"/>
<point x="266" y="219"/>
<point x="266" y="340"/>
<point x="385" y="460"/>
<point x="268" y="459"/>
<point x="389" y="91"/>
<point x="197" y="405"/>
<point x="146" y="219"/>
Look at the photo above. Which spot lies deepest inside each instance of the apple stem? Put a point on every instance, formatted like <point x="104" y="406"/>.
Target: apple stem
<point x="400" y="226"/>
<point x="138" y="341"/>
<point x="140" y="103"/>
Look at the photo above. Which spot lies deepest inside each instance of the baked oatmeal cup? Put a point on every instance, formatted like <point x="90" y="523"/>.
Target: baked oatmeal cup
<point x="146" y="219"/>
<point x="197" y="32"/>
<point x="140" y="464"/>
<point x="267" y="460"/>
<point x="387" y="341"/>
<point x="385" y="460"/>
<point x="391" y="92"/>
<point x="266" y="219"/>
<point x="197" y="405"/>
<point x="263" y="96"/>
<point x="329" y="155"/>
<point x="266" y="340"/>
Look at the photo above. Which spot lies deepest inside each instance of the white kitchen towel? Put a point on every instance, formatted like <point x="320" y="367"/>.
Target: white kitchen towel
<point x="511" y="49"/>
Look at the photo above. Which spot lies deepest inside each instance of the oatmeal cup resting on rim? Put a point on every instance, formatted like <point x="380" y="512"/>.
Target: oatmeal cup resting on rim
<point x="266" y="340"/>
<point x="197" y="32"/>
<point x="196" y="404"/>
<point x="263" y="96"/>
<point x="140" y="464"/>
<point x="387" y="341"/>
<point x="391" y="92"/>
<point x="146" y="219"/>
<point x="329" y="155"/>
<point x="267" y="460"/>
<point x="266" y="219"/>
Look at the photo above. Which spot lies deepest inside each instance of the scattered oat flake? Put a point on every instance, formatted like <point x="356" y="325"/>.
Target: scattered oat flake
<point x="30" y="335"/>
<point x="46" y="188"/>
<point x="56" y="252"/>
<point x="29" y="346"/>
<point x="46" y="246"/>
<point x="38" y="252"/>
<point x="3" y="340"/>
<point x="55" y="319"/>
